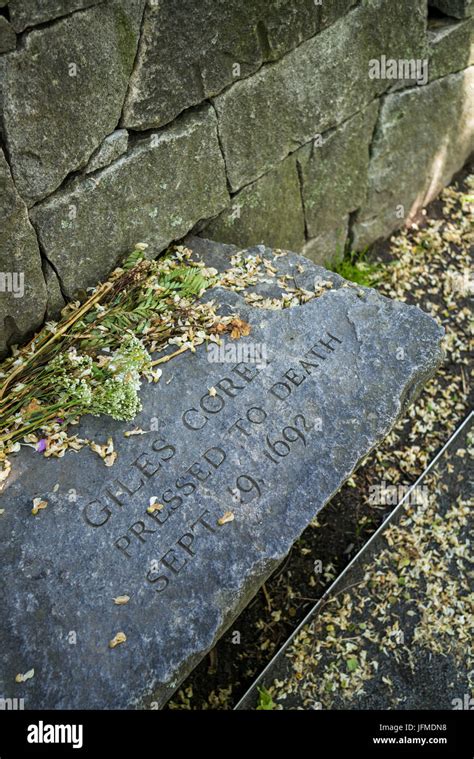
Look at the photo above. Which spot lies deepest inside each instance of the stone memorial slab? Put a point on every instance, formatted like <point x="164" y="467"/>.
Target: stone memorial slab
<point x="243" y="446"/>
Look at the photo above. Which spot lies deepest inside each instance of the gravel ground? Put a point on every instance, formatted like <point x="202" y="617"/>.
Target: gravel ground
<point x="427" y="265"/>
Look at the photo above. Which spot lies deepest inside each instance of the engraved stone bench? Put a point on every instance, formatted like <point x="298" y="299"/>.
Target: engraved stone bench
<point x="320" y="385"/>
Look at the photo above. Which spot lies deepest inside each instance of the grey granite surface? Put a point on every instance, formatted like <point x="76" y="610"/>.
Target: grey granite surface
<point x="272" y="446"/>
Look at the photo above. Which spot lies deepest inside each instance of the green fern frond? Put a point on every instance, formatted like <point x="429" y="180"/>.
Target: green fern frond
<point x="188" y="280"/>
<point x="133" y="259"/>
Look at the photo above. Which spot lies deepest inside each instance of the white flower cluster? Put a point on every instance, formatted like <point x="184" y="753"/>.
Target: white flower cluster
<point x="111" y="390"/>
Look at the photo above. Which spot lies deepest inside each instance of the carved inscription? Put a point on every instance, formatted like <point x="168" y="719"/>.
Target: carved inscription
<point x="282" y="433"/>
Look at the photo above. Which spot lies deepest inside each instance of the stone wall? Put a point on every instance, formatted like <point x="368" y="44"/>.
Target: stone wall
<point x="251" y="121"/>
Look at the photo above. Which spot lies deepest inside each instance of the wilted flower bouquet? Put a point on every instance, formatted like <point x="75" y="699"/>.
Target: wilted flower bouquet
<point x="92" y="360"/>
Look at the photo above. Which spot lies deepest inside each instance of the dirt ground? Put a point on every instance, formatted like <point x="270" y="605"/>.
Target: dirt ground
<point x="395" y="632"/>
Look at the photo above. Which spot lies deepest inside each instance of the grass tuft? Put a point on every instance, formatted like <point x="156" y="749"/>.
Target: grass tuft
<point x="355" y="268"/>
